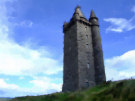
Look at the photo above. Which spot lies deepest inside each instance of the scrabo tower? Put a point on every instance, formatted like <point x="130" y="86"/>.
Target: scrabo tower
<point x="83" y="56"/>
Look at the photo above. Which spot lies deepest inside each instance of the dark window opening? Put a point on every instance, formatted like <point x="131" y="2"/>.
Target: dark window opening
<point x="87" y="46"/>
<point x="86" y="84"/>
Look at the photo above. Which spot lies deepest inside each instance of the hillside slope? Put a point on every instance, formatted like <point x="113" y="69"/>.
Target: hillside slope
<point x="110" y="91"/>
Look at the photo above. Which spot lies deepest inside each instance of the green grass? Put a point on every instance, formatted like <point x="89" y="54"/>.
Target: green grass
<point x="111" y="91"/>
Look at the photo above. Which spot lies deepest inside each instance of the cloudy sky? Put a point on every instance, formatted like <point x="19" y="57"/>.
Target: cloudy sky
<point x="31" y="42"/>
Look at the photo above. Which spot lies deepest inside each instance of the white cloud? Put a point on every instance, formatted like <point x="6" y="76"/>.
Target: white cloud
<point x="21" y="78"/>
<point x="18" y="59"/>
<point x="133" y="9"/>
<point x="121" y="24"/>
<point x="25" y="23"/>
<point x="121" y="67"/>
<point x="40" y="87"/>
<point x="9" y="90"/>
<point x="22" y="60"/>
<point x="3" y="84"/>
<point x="43" y="84"/>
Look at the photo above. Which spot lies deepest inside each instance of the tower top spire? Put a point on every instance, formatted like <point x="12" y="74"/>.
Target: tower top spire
<point x="93" y="19"/>
<point x="78" y="12"/>
<point x="92" y="15"/>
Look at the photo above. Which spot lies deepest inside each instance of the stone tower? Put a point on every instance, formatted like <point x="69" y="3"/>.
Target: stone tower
<point x="83" y="56"/>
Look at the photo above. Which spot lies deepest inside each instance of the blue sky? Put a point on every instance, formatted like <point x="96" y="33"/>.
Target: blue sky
<point x="31" y="42"/>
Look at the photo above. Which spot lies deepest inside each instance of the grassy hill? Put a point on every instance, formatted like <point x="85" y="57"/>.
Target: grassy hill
<point x="110" y="91"/>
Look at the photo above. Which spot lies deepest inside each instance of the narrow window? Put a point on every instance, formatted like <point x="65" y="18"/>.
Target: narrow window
<point x="85" y="28"/>
<point x="88" y="65"/>
<point x="86" y="84"/>
<point x="86" y="36"/>
<point x="86" y="45"/>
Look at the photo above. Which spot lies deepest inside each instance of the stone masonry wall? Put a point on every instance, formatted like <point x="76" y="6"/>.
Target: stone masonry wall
<point x="70" y="60"/>
<point x="85" y="56"/>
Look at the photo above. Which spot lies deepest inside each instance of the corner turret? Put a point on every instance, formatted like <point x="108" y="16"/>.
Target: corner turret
<point x="97" y="49"/>
<point x="78" y="13"/>
<point x="77" y="16"/>
<point x="93" y="19"/>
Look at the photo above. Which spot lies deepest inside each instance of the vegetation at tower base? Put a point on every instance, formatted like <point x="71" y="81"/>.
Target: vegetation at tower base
<point x="110" y="91"/>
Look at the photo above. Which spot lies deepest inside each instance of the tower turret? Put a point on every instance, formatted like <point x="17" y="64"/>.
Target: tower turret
<point x="97" y="49"/>
<point x="78" y="13"/>
<point x="93" y="19"/>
